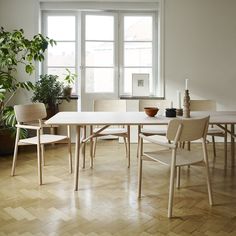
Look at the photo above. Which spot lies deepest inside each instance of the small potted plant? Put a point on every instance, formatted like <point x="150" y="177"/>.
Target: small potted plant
<point x="68" y="82"/>
<point x="48" y="90"/>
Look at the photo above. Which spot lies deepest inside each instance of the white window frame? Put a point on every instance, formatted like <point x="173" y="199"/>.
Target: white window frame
<point x="154" y="50"/>
<point x="45" y="32"/>
<point x="83" y="53"/>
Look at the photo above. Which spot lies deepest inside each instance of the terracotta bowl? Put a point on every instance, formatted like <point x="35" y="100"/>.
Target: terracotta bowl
<point x="151" y="111"/>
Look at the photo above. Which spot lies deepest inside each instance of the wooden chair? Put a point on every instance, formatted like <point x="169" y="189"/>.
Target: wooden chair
<point x="154" y="130"/>
<point x="213" y="131"/>
<point x="31" y="113"/>
<point x="114" y="131"/>
<point x="179" y="130"/>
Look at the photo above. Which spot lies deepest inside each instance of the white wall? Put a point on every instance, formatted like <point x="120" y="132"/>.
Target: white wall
<point x="200" y="43"/>
<point x="15" y="14"/>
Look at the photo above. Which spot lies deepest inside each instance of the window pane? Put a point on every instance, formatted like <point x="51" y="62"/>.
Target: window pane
<point x="62" y="54"/>
<point x="99" y="80"/>
<point x="138" y="54"/>
<point x="99" y="54"/>
<point x="138" y="28"/>
<point x="99" y="27"/>
<point x="61" y="72"/>
<point x="128" y="77"/>
<point x="61" y="27"/>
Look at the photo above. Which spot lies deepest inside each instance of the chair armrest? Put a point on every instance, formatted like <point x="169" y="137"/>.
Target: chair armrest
<point x="28" y="127"/>
<point x="148" y="138"/>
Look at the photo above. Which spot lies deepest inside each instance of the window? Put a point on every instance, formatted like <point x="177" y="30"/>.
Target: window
<point x="104" y="48"/>
<point x="99" y="55"/>
<point x="138" y="49"/>
<point x="61" y="28"/>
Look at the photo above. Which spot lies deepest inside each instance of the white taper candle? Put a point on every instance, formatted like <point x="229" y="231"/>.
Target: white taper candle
<point x="186" y="84"/>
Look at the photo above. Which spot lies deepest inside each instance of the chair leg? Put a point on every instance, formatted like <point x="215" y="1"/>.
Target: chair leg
<point x="70" y="156"/>
<point x="214" y="147"/>
<point x="126" y="148"/>
<point x="189" y="145"/>
<point x="15" y="152"/>
<point x="42" y="154"/>
<point x="138" y="147"/>
<point x="140" y="166"/>
<point x="171" y="188"/>
<point x="225" y="147"/>
<point x="178" y="168"/>
<point x="69" y="149"/>
<point x="94" y="147"/>
<point x="39" y="158"/>
<point x="207" y="173"/>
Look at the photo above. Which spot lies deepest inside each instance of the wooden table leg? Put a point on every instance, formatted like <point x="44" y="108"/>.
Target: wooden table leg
<point x="77" y="156"/>
<point x="128" y="131"/>
<point x="91" y="147"/>
<point x="232" y="146"/>
<point x="83" y="146"/>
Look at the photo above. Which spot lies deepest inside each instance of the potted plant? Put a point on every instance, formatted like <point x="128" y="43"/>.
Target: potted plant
<point x="15" y="50"/>
<point x="48" y="90"/>
<point x="68" y="82"/>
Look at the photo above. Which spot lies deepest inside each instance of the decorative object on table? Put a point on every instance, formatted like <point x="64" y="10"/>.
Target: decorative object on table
<point x="170" y="112"/>
<point x="68" y="82"/>
<point x="179" y="110"/>
<point x="48" y="90"/>
<point x="16" y="52"/>
<point x="140" y="85"/>
<point x="186" y="111"/>
<point x="151" y="111"/>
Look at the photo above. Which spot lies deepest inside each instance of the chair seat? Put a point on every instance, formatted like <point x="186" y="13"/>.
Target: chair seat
<point x="183" y="157"/>
<point x="153" y="131"/>
<point x="215" y="131"/>
<point x="44" y="138"/>
<point x="112" y="131"/>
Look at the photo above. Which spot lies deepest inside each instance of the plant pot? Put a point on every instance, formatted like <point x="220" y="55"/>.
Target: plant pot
<point x="52" y="109"/>
<point x="7" y="143"/>
<point x="67" y="91"/>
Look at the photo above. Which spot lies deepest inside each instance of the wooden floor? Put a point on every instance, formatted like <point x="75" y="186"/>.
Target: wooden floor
<point x="106" y="203"/>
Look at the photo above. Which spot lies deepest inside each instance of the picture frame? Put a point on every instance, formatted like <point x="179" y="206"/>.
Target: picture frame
<point x="140" y="85"/>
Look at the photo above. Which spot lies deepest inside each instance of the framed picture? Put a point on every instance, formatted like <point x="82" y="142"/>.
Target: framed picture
<point x="140" y="85"/>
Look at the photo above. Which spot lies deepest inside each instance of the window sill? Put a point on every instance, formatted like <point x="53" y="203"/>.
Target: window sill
<point x="72" y="97"/>
<point x="141" y="97"/>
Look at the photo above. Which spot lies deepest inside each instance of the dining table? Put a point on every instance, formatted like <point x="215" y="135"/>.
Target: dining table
<point x="80" y="120"/>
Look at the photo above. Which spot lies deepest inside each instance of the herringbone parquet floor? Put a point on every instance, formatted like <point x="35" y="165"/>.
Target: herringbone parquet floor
<point x="106" y="203"/>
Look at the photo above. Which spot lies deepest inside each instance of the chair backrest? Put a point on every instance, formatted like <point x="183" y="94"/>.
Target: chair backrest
<point x="202" y="105"/>
<point x="161" y="104"/>
<point x="187" y="129"/>
<point x="30" y="112"/>
<point x="110" y="105"/>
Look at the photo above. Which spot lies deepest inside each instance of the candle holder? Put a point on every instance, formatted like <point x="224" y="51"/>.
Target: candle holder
<point x="179" y="112"/>
<point x="186" y="110"/>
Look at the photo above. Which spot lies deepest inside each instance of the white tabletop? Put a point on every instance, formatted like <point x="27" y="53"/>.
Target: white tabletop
<point x="132" y="118"/>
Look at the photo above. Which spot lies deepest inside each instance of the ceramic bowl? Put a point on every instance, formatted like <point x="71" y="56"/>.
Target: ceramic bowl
<point x="151" y="111"/>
